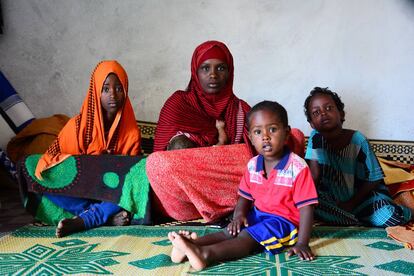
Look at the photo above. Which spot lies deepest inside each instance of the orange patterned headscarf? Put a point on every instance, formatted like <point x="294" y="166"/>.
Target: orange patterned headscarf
<point x="85" y="134"/>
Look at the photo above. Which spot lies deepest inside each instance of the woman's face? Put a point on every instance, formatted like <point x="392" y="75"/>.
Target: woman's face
<point x="112" y="96"/>
<point x="213" y="75"/>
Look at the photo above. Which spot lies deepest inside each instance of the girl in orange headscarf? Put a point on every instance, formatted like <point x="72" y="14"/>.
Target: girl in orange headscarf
<point x="105" y="125"/>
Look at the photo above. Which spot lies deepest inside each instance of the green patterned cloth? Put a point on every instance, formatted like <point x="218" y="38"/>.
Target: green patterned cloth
<point x="112" y="178"/>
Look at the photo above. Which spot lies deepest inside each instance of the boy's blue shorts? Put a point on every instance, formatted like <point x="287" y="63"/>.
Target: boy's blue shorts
<point x="273" y="232"/>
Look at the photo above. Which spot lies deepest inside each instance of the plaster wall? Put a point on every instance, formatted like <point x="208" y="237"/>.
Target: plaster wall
<point x="362" y="49"/>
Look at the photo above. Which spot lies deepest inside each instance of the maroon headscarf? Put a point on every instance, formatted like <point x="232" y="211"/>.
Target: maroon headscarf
<point x="194" y="112"/>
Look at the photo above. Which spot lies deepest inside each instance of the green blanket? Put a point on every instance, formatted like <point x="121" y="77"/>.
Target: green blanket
<point x="112" y="178"/>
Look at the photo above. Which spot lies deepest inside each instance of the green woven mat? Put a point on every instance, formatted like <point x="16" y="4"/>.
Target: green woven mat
<point x="144" y="250"/>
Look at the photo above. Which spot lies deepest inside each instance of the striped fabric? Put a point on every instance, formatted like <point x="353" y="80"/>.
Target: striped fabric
<point x="342" y="171"/>
<point x="328" y="211"/>
<point x="240" y="124"/>
<point x="273" y="232"/>
<point x="15" y="115"/>
<point x="377" y="210"/>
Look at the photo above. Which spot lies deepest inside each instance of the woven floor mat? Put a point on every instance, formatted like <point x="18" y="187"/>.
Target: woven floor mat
<point x="144" y="250"/>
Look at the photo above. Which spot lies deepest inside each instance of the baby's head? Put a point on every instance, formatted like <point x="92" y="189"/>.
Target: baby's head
<point x="268" y="128"/>
<point x="318" y="91"/>
<point x="180" y="142"/>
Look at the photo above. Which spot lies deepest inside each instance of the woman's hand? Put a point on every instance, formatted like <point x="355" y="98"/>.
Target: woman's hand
<point x="236" y="225"/>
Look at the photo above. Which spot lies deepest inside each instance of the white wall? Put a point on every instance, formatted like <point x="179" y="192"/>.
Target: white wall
<point x="363" y="49"/>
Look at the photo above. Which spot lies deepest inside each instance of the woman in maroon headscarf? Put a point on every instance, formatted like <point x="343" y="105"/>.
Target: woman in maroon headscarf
<point x="203" y="182"/>
<point x="209" y="98"/>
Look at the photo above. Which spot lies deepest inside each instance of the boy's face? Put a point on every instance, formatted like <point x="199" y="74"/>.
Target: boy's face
<point x="213" y="75"/>
<point x="112" y="96"/>
<point x="267" y="134"/>
<point x="325" y="116"/>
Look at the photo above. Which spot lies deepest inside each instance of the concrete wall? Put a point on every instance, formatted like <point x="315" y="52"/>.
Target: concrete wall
<point x="363" y="49"/>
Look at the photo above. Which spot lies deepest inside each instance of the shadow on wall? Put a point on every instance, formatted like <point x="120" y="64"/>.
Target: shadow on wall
<point x="1" y="21"/>
<point x="410" y="5"/>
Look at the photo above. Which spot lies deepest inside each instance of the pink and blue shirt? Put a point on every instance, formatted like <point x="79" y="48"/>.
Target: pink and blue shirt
<point x="287" y="188"/>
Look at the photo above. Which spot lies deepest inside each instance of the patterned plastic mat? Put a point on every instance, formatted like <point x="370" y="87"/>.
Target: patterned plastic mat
<point x="143" y="250"/>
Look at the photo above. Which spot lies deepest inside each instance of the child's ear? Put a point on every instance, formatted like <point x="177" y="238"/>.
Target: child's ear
<point x="287" y="132"/>
<point x="342" y="113"/>
<point x="312" y="125"/>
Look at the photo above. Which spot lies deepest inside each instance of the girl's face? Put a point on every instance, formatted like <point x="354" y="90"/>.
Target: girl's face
<point x="268" y="134"/>
<point x="325" y="116"/>
<point x="213" y="75"/>
<point x="112" y="96"/>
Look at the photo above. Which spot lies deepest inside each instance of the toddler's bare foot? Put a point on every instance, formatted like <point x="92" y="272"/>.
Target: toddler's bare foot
<point x="120" y="219"/>
<point x="191" y="251"/>
<point x="176" y="255"/>
<point x="68" y="226"/>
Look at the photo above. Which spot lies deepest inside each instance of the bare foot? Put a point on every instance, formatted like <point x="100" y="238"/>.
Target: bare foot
<point x="191" y="250"/>
<point x="122" y="218"/>
<point x="176" y="255"/>
<point x="68" y="226"/>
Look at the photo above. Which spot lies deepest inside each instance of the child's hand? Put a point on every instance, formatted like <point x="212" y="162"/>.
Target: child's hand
<point x="222" y="135"/>
<point x="303" y="251"/>
<point x="220" y="124"/>
<point x="236" y="225"/>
